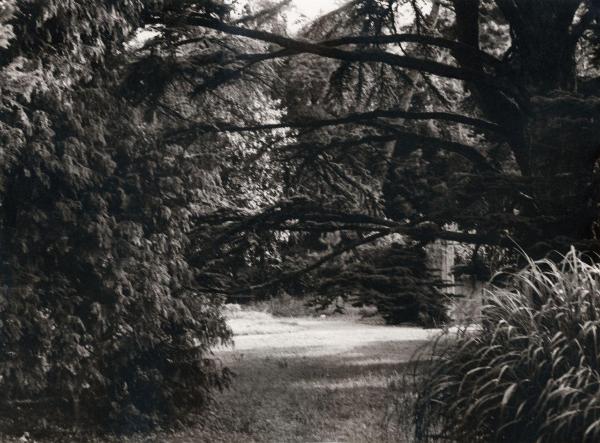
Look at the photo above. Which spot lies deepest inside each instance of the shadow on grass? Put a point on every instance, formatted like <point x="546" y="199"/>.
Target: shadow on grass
<point x="354" y="398"/>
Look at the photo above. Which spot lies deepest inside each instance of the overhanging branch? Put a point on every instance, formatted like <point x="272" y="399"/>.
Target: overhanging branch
<point x="317" y="264"/>
<point x="416" y="38"/>
<point x="300" y="214"/>
<point x="470" y="153"/>
<point x="288" y="219"/>
<point x="359" y="118"/>
<point x="302" y="46"/>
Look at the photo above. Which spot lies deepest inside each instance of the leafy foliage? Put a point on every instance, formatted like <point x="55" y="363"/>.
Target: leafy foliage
<point x="395" y="278"/>
<point x="530" y="373"/>
<point x="99" y="311"/>
<point x="99" y="306"/>
<point x="124" y="222"/>
<point x="481" y="82"/>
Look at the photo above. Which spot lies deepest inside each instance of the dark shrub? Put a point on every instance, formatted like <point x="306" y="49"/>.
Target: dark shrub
<point x="396" y="279"/>
<point x="98" y="314"/>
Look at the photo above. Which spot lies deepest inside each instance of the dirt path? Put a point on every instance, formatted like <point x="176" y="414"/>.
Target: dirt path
<point x="309" y="380"/>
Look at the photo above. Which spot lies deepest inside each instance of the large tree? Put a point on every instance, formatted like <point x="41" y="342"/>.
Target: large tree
<point x="100" y="311"/>
<point x="125" y="199"/>
<point x="509" y="93"/>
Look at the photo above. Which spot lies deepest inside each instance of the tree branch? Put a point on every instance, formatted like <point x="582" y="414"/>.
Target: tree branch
<point x="361" y="118"/>
<point x="317" y="264"/>
<point x="429" y="40"/>
<point x="468" y="152"/>
<point x="299" y="212"/>
<point x="414" y="232"/>
<point x="298" y="46"/>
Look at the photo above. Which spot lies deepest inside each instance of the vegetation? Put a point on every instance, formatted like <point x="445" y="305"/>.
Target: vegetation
<point x="159" y="157"/>
<point x="487" y="172"/>
<point x="530" y="372"/>
<point x="98" y="312"/>
<point x="440" y="122"/>
<point x="395" y="278"/>
<point x="303" y="392"/>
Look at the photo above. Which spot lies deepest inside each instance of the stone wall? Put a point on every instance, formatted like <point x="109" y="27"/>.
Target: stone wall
<point x="466" y="306"/>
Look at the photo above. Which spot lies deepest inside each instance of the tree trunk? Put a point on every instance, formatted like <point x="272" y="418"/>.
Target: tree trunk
<point x="563" y="131"/>
<point x="555" y="133"/>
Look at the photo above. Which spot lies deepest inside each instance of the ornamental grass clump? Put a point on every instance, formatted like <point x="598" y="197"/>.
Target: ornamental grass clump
<point x="531" y="372"/>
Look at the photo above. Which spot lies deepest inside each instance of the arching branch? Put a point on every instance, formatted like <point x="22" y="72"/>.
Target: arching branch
<point x="415" y="38"/>
<point x="360" y="118"/>
<point x="288" y="217"/>
<point x="302" y="46"/>
<point x="468" y="152"/>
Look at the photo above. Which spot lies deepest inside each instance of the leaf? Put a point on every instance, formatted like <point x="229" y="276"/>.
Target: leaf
<point x="508" y="394"/>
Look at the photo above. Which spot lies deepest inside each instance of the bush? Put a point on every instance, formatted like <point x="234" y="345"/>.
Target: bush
<point x="98" y="314"/>
<point x="396" y="279"/>
<point x="531" y="372"/>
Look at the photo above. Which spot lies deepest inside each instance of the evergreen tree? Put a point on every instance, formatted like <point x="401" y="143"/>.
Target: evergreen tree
<point x="100" y="313"/>
<point x="500" y="140"/>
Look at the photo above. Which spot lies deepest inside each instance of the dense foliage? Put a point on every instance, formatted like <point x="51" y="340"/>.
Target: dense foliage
<point x="469" y="124"/>
<point x="393" y="276"/>
<point x="531" y="372"/>
<point x="99" y="311"/>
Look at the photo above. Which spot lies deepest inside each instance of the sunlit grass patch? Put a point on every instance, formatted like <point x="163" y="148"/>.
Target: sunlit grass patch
<point x="301" y="393"/>
<point x="363" y="381"/>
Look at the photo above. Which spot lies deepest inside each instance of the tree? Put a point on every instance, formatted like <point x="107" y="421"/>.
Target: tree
<point x="509" y="154"/>
<point x="125" y="213"/>
<point x="100" y="312"/>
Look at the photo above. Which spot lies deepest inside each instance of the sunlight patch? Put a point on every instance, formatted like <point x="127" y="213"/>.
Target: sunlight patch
<point x="374" y="361"/>
<point x="351" y="383"/>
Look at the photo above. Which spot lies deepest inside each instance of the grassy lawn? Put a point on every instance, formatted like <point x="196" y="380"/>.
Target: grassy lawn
<point x="306" y="380"/>
<point x="293" y="386"/>
<point x="310" y="399"/>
